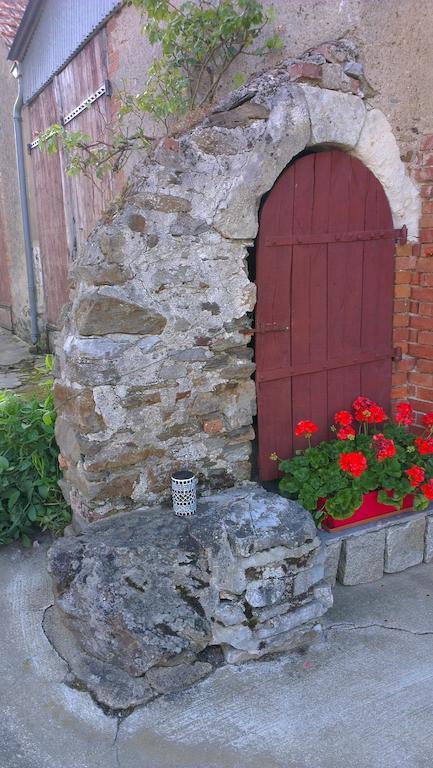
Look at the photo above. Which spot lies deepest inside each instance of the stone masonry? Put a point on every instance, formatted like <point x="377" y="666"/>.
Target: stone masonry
<point x="154" y="365"/>
<point x="147" y="603"/>
<point x="365" y="553"/>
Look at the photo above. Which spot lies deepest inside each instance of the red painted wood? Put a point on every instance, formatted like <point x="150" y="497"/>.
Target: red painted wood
<point x="82" y="76"/>
<point x="68" y="207"/>
<point x="48" y="195"/>
<point x="334" y="297"/>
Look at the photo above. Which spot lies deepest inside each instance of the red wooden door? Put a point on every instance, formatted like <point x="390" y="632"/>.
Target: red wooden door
<point x="324" y="299"/>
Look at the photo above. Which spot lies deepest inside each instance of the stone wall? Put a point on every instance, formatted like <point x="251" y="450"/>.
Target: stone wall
<point x="361" y="554"/>
<point x="154" y="366"/>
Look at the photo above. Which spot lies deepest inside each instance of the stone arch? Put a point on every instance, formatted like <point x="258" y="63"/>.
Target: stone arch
<point x="155" y="371"/>
<point x="308" y="116"/>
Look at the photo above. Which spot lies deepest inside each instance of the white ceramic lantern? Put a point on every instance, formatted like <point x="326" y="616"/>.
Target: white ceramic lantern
<point x="183" y="488"/>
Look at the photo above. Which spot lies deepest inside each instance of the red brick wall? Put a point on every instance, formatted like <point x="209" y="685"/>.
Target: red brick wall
<point x="413" y="306"/>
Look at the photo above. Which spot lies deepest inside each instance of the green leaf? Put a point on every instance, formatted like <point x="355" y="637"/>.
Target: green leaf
<point x="4" y="463"/>
<point x="238" y="79"/>
<point x="420" y="502"/>
<point x="13" y="498"/>
<point x="25" y="541"/>
<point x="43" y="491"/>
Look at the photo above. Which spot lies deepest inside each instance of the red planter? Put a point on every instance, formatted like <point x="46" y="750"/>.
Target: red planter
<point x="370" y="509"/>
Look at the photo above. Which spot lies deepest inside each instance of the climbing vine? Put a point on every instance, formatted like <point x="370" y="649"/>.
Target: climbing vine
<point x="198" y="43"/>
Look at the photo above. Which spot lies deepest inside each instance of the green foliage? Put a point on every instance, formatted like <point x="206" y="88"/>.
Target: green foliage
<point x="314" y="474"/>
<point x="199" y="41"/>
<point x="30" y="497"/>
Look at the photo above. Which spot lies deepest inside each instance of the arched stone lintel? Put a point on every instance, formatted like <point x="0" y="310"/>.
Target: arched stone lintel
<point x="310" y="116"/>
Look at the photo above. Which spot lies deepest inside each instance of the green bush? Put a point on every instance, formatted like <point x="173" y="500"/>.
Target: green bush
<point x="30" y="497"/>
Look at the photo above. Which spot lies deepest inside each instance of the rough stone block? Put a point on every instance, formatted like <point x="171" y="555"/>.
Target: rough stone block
<point x="101" y="313"/>
<point x="295" y="639"/>
<point x="163" y="591"/>
<point x="428" y="541"/>
<point x="361" y="559"/>
<point x="167" y="679"/>
<point x="332" y="558"/>
<point x="404" y="545"/>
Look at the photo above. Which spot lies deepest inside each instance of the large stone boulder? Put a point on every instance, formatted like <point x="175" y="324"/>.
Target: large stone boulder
<point x="147" y="603"/>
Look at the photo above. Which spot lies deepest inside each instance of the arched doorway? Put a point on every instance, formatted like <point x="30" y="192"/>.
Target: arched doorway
<point x="324" y="275"/>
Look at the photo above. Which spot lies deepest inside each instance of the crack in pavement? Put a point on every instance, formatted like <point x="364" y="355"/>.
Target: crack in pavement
<point x="115" y="744"/>
<point x="351" y="626"/>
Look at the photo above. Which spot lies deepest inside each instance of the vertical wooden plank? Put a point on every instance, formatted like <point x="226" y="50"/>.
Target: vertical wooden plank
<point x="80" y="78"/>
<point x="50" y="212"/>
<point x="309" y="401"/>
<point x="274" y="423"/>
<point x="344" y="385"/>
<point x="273" y="278"/>
<point x="376" y="382"/>
<point x="378" y="275"/>
<point x="344" y="266"/>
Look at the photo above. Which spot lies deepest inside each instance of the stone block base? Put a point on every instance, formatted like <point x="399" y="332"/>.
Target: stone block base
<point x="363" y="554"/>
<point x="153" y="602"/>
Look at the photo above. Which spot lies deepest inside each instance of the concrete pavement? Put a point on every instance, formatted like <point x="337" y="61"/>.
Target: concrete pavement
<point x="364" y="699"/>
<point x="16" y="362"/>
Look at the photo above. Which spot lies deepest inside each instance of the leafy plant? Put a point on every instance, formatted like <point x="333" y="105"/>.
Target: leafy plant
<point x="332" y="477"/>
<point x="198" y="42"/>
<point x="30" y="496"/>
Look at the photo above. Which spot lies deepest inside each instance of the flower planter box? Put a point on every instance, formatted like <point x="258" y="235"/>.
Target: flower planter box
<point x="370" y="509"/>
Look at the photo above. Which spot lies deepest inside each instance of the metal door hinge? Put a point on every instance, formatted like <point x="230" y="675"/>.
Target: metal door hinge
<point x="272" y="328"/>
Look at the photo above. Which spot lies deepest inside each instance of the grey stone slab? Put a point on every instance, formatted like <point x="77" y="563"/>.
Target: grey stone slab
<point x="332" y="551"/>
<point x="362" y="559"/>
<point x="428" y="541"/>
<point x="404" y="545"/>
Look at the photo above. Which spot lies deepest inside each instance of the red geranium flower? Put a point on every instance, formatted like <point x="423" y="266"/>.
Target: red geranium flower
<point x="361" y="406"/>
<point x="354" y="463"/>
<point x="377" y="414"/>
<point x="305" y="428"/>
<point x="427" y="489"/>
<point x="343" y="418"/>
<point x="415" y="475"/>
<point x="367" y="411"/>
<point x="346" y="433"/>
<point x="404" y="414"/>
<point x="424" y="445"/>
<point x="427" y="419"/>
<point x="384" y="448"/>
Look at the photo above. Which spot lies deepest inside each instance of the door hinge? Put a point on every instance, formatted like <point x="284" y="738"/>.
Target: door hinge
<point x="272" y="328"/>
<point x="397" y="354"/>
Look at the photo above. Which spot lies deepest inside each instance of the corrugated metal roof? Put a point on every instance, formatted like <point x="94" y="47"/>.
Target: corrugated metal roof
<point x="11" y="13"/>
<point x="61" y="30"/>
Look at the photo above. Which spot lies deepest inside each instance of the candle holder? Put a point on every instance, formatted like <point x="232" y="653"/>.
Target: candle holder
<point x="183" y="489"/>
